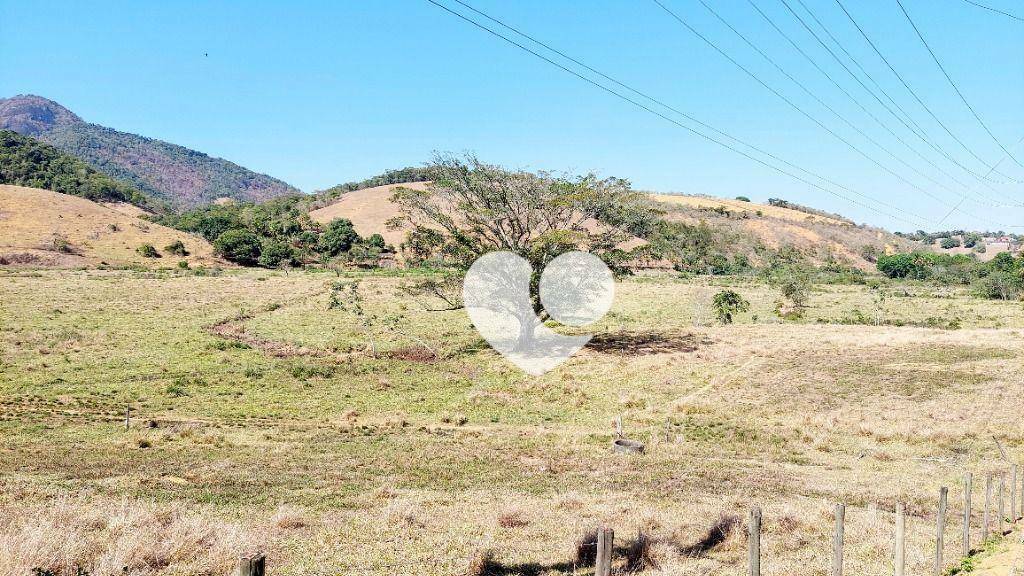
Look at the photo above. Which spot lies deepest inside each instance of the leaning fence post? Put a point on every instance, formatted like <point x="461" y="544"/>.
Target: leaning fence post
<point x="252" y="565"/>
<point x="754" y="540"/>
<point x="940" y="526"/>
<point x="605" y="542"/>
<point x="967" y="514"/>
<point x="900" y="555"/>
<point x="988" y="506"/>
<point x="837" y="541"/>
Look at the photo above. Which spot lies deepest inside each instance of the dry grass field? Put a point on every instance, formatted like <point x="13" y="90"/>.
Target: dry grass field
<point x="44" y="228"/>
<point x="261" y="417"/>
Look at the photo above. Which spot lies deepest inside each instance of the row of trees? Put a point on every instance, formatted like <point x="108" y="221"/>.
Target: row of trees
<point x="1001" y="277"/>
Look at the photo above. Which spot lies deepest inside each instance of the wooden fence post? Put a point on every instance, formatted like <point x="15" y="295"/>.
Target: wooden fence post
<point x="1013" y="495"/>
<point x="837" y="541"/>
<point x="940" y="527"/>
<point x="967" y="514"/>
<point x="127" y="417"/>
<point x="900" y="555"/>
<point x="252" y="565"/>
<point x="1002" y="509"/>
<point x="754" y="540"/>
<point x="988" y="506"/>
<point x="605" y="542"/>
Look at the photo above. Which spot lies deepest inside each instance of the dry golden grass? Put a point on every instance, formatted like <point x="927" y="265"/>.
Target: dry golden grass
<point x="43" y="228"/>
<point x="369" y="210"/>
<point x="749" y="208"/>
<point x="350" y="463"/>
<point x="748" y="227"/>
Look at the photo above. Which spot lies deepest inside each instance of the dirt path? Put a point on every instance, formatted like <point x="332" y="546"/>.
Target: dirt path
<point x="1007" y="560"/>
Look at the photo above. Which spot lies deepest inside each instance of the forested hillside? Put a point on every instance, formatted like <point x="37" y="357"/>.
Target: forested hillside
<point x="28" y="162"/>
<point x="182" y="177"/>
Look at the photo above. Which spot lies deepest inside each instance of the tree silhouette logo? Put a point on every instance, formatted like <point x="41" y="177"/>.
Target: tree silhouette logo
<point x="574" y="289"/>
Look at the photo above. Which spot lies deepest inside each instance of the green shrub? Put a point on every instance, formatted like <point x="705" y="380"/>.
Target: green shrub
<point x="999" y="285"/>
<point x="338" y="237"/>
<point x="727" y="303"/>
<point x="238" y="246"/>
<point x="949" y="243"/>
<point x="274" y="253"/>
<point x="743" y="199"/>
<point x="176" y="248"/>
<point x="148" y="251"/>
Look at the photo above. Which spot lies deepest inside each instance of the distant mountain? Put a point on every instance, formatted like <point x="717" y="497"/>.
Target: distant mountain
<point x="177" y="175"/>
<point x="28" y="162"/>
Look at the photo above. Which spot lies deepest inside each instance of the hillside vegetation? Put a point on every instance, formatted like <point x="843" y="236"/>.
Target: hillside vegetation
<point x="705" y="234"/>
<point x="28" y="162"/>
<point x="174" y="174"/>
<point x="41" y="228"/>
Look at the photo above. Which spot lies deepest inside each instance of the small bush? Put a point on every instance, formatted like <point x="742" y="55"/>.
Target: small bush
<point x="183" y="264"/>
<point x="305" y="372"/>
<point x="177" y="248"/>
<point x="61" y="244"/>
<point x="999" y="285"/>
<point x="949" y="243"/>
<point x="727" y="303"/>
<point x="148" y="251"/>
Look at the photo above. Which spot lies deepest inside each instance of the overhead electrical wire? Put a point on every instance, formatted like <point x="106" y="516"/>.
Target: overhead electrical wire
<point x="796" y="46"/>
<point x="955" y="87"/>
<point x="996" y="10"/>
<point x="912" y="92"/>
<point x="846" y="121"/>
<point x="799" y="109"/>
<point x="994" y="166"/>
<point x="675" y="122"/>
<point x="921" y="136"/>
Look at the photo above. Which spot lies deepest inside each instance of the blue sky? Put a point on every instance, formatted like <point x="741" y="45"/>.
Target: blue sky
<point x="319" y="93"/>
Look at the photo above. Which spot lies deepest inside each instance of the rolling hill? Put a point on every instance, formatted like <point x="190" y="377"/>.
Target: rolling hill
<point x="181" y="177"/>
<point x="741" y="227"/>
<point x="41" y="228"/>
<point x="747" y="228"/>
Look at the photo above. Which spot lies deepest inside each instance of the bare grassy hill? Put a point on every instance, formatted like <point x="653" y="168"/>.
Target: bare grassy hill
<point x="369" y="210"/>
<point x="748" y="226"/>
<point x="44" y="228"/>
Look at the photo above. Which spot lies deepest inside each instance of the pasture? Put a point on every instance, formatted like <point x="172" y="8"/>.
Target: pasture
<point x="263" y="417"/>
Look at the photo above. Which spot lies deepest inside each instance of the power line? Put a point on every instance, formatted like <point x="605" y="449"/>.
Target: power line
<point x="920" y="135"/>
<point x="996" y="10"/>
<point x="853" y="126"/>
<point x="906" y="84"/>
<point x="675" y="122"/>
<point x="990" y="170"/>
<point x="796" y="107"/>
<point x="852" y="98"/>
<point x="955" y="87"/>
